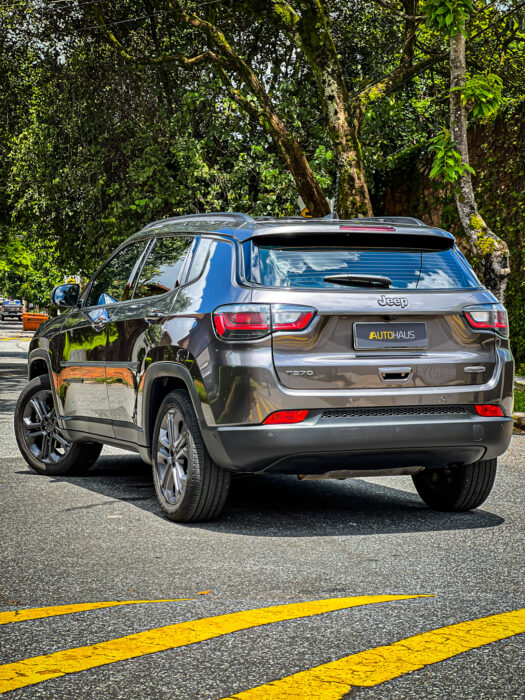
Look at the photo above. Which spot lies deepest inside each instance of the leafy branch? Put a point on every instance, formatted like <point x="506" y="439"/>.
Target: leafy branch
<point x="447" y="16"/>
<point x="448" y="165"/>
<point x="481" y="94"/>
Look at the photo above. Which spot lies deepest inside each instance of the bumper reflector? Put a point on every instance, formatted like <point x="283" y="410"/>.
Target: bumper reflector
<point x="282" y="417"/>
<point x="489" y="410"/>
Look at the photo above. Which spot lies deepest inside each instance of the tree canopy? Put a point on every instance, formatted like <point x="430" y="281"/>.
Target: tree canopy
<point x="118" y="113"/>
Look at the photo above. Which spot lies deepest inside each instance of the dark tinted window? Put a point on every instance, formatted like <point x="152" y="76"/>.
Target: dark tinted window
<point x="164" y="265"/>
<point x="307" y="267"/>
<point x="114" y="282"/>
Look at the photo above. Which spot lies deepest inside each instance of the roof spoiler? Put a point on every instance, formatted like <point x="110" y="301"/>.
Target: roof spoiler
<point x="357" y="236"/>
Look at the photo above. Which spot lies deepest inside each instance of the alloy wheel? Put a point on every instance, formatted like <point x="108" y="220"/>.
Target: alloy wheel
<point x="172" y="456"/>
<point x="43" y="437"/>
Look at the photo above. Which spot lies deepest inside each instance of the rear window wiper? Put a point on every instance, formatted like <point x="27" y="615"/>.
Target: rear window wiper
<point x="360" y="280"/>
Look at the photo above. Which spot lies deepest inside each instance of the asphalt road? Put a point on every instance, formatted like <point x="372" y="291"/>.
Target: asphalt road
<point x="101" y="538"/>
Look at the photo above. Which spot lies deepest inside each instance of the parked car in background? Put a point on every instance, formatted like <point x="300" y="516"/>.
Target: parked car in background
<point x="11" y="309"/>
<point x="213" y="344"/>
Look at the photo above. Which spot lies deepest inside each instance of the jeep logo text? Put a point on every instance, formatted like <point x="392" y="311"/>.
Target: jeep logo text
<point x="392" y="301"/>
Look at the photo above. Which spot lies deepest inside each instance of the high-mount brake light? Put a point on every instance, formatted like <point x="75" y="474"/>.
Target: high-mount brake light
<point x="489" y="410"/>
<point x="285" y="417"/>
<point x="491" y="317"/>
<point x="362" y="228"/>
<point x="254" y="321"/>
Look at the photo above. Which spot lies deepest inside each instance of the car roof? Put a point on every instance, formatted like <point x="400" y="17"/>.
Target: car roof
<point x="242" y="227"/>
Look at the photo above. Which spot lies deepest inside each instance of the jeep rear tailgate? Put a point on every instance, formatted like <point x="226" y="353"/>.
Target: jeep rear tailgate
<point x="413" y="333"/>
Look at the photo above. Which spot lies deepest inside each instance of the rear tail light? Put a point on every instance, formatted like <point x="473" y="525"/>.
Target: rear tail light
<point x="489" y="410"/>
<point x="284" y="417"/>
<point x="291" y="318"/>
<point x="492" y="317"/>
<point x="242" y="321"/>
<point x="254" y="321"/>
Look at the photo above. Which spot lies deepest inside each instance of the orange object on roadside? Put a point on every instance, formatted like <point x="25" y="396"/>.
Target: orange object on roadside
<point x="31" y="322"/>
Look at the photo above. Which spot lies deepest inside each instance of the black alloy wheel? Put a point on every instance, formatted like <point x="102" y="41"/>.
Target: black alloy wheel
<point x="40" y="439"/>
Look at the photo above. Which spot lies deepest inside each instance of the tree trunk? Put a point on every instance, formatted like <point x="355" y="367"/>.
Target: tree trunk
<point x="307" y="184"/>
<point x="289" y="147"/>
<point x="492" y="252"/>
<point x="352" y="196"/>
<point x="315" y="40"/>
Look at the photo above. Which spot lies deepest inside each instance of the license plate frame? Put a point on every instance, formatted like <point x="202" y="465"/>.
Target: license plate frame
<point x="403" y="335"/>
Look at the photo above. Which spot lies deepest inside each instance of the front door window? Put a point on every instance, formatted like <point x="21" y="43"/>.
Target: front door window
<point x="114" y="282"/>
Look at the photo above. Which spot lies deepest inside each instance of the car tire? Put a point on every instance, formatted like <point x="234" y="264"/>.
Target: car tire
<point x="40" y="439"/>
<point x="457" y="489"/>
<point x="190" y="487"/>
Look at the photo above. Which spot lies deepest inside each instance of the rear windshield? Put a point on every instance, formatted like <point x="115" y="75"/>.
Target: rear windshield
<point x="307" y="267"/>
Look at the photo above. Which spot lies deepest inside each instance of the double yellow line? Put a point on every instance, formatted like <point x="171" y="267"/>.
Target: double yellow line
<point x="327" y="682"/>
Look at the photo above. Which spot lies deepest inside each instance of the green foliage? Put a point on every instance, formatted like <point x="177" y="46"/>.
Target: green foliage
<point x="93" y="147"/>
<point x="28" y="269"/>
<point x="448" y="165"/>
<point x="447" y="16"/>
<point x="519" y="398"/>
<point x="482" y="94"/>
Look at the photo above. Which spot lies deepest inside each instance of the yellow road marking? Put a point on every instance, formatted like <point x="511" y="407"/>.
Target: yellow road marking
<point x="334" y="680"/>
<point x="37" y="613"/>
<point x="41" y="668"/>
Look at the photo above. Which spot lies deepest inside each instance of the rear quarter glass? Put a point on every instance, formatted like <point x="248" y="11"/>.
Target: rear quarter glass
<point x="293" y="267"/>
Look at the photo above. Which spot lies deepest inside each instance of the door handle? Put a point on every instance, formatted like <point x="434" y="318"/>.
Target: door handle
<point x="394" y="375"/>
<point x="153" y="316"/>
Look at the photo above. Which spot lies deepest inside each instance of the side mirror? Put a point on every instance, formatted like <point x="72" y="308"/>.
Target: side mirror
<point x="65" y="295"/>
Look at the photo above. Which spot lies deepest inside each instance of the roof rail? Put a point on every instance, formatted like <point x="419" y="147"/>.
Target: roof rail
<point x="400" y="220"/>
<point x="239" y="216"/>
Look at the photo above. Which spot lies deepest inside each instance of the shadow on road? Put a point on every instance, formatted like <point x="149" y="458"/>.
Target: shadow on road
<point x="283" y="506"/>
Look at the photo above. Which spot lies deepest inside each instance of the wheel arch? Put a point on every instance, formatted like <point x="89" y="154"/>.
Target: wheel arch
<point x="160" y="379"/>
<point x="39" y="363"/>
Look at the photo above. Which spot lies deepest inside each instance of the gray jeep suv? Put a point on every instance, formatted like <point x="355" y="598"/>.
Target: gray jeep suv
<point x="221" y="343"/>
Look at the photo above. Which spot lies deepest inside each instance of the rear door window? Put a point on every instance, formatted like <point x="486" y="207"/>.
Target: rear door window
<point x="308" y="267"/>
<point x="164" y="266"/>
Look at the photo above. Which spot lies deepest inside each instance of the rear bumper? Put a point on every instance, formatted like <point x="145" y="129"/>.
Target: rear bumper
<point x="316" y="446"/>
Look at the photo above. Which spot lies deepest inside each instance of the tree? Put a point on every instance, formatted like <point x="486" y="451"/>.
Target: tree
<point x="482" y="95"/>
<point x="306" y="25"/>
<point x="93" y="150"/>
